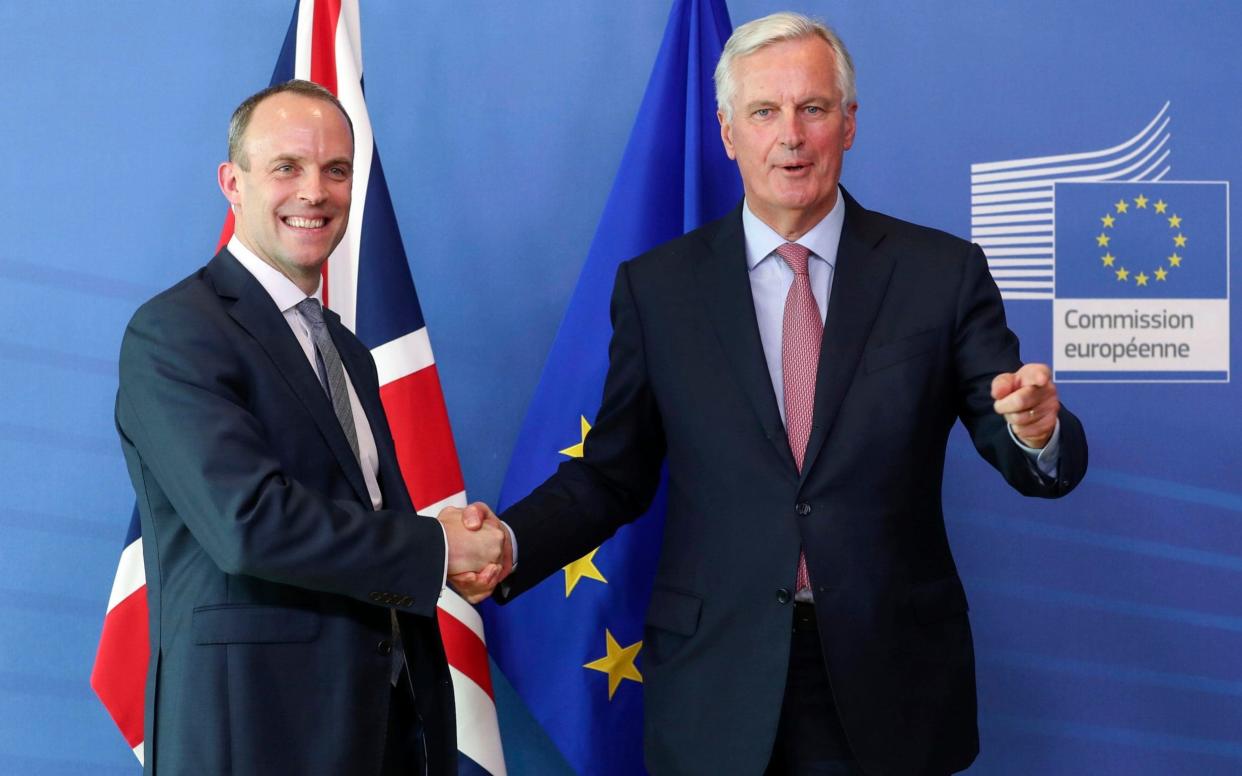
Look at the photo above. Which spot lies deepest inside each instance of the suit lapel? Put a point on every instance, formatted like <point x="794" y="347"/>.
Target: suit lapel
<point x="724" y="288"/>
<point x="858" y="287"/>
<point x="255" y="312"/>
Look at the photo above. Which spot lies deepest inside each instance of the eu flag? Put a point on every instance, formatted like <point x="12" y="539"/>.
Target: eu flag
<point x="572" y="646"/>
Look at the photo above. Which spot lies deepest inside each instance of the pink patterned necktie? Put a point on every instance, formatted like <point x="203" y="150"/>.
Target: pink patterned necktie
<point x="801" y="333"/>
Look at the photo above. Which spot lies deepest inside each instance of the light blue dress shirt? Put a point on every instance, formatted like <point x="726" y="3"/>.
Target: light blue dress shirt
<point x="771" y="277"/>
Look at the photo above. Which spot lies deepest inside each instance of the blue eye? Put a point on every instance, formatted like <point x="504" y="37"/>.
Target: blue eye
<point x="763" y="112"/>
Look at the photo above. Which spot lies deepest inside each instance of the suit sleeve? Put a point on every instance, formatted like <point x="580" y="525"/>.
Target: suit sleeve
<point x="195" y="448"/>
<point x="985" y="347"/>
<point x="587" y="499"/>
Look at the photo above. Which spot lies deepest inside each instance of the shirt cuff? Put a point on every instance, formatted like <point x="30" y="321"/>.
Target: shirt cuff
<point x="512" y="543"/>
<point x="444" y="576"/>
<point x="1046" y="458"/>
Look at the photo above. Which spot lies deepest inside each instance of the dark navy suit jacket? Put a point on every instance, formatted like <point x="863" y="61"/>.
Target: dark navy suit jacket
<point x="269" y="574"/>
<point x="915" y="332"/>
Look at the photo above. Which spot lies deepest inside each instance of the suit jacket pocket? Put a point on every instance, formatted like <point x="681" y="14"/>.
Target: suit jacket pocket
<point x="893" y="353"/>
<point x="672" y="620"/>
<point x="938" y="600"/>
<point x="253" y="624"/>
<point x="674" y="611"/>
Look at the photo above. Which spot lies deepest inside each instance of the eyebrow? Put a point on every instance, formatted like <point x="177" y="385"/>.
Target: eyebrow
<point x="340" y="160"/>
<point x="756" y="104"/>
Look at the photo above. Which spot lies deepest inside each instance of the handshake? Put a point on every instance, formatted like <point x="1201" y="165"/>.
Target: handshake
<point x="480" y="554"/>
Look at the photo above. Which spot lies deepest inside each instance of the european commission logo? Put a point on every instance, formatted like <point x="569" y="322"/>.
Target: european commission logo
<point x="1136" y="265"/>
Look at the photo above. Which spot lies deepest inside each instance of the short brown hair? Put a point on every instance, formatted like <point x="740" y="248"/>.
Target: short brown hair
<point x="241" y="117"/>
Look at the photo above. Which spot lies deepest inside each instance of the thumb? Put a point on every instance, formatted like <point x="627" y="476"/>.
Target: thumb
<point x="472" y="518"/>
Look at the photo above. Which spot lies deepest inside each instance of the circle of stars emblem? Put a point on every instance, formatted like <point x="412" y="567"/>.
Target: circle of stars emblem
<point x="1132" y="209"/>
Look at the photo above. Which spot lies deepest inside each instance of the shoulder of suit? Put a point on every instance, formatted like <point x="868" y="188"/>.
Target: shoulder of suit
<point x="908" y="233"/>
<point x="689" y="246"/>
<point x="185" y="299"/>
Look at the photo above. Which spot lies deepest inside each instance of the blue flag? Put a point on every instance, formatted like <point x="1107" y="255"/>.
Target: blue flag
<point x="572" y="646"/>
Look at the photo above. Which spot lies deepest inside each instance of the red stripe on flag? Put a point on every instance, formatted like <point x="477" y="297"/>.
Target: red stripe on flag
<point x="424" y="440"/>
<point x="466" y="651"/>
<point x="226" y="232"/>
<point x="119" y="676"/>
<point x="326" y="14"/>
<point x="323" y="43"/>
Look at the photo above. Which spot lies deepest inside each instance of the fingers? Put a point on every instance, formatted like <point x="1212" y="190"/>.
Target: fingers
<point x="475" y="515"/>
<point x="1003" y="385"/>
<point x="479" y="554"/>
<point x="476" y="586"/>
<point x="1028" y="401"/>
<point x="472" y="550"/>
<point x="1020" y="391"/>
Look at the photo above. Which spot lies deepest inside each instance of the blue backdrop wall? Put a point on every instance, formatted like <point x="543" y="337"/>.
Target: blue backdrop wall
<point x="1108" y="625"/>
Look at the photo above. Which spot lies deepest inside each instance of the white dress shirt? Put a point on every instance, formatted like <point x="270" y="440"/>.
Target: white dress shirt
<point x="286" y="294"/>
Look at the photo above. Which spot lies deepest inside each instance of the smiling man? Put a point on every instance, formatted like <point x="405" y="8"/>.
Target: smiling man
<point x="292" y="587"/>
<point x="288" y="180"/>
<point x="798" y="365"/>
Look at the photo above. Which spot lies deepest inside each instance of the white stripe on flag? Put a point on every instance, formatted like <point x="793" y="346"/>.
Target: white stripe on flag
<point x="130" y="574"/>
<point x="343" y="273"/>
<point x="302" y="49"/>
<point x="403" y="356"/>
<point x="477" y="735"/>
<point x="466" y="614"/>
<point x="138" y="752"/>
<point x="456" y="500"/>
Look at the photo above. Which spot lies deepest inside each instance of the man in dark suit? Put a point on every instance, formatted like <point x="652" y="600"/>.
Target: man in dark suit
<point x="798" y="365"/>
<point x="292" y="588"/>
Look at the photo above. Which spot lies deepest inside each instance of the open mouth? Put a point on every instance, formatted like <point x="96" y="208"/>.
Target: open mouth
<point x="298" y="222"/>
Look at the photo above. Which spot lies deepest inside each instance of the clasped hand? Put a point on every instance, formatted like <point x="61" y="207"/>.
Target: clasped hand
<point x="479" y="552"/>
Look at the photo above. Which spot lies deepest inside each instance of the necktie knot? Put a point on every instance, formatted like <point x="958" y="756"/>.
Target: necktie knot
<point x="796" y="256"/>
<point x="311" y="311"/>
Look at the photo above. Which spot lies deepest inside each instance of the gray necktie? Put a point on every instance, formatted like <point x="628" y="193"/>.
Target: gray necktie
<point x="332" y="373"/>
<point x="332" y="376"/>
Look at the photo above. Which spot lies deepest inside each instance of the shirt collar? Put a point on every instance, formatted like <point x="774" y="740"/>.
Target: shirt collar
<point x="822" y="240"/>
<point x="283" y="291"/>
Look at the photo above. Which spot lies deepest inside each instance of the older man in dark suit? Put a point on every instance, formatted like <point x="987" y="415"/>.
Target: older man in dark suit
<point x="292" y="587"/>
<point x="798" y="365"/>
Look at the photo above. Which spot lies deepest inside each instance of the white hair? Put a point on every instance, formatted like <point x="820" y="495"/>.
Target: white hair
<point x="777" y="27"/>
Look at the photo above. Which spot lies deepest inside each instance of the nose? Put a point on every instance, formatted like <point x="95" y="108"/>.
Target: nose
<point x="792" y="133"/>
<point x="312" y="190"/>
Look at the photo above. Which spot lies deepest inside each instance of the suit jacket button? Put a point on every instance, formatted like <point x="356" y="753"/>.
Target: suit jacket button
<point x="803" y="509"/>
<point x="384" y="647"/>
<point x="783" y="596"/>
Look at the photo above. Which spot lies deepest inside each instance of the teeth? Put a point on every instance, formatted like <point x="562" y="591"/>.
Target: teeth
<point x="305" y="223"/>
